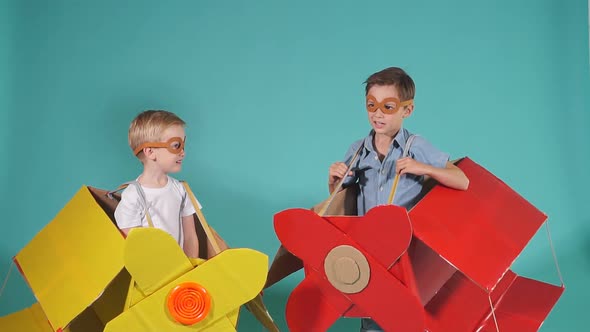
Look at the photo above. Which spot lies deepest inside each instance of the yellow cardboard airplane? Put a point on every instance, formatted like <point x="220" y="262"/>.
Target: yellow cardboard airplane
<point x="87" y="277"/>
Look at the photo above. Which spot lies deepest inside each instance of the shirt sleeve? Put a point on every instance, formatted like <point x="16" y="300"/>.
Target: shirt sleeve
<point x="187" y="207"/>
<point x="129" y="212"/>
<point x="421" y="150"/>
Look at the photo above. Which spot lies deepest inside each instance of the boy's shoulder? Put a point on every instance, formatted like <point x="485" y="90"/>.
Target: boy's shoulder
<point x="357" y="144"/>
<point x="177" y="185"/>
<point x="133" y="188"/>
<point x="129" y="186"/>
<point x="130" y="193"/>
<point x="417" y="140"/>
<point x="175" y="181"/>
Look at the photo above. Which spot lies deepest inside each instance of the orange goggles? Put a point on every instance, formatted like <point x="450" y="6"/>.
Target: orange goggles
<point x="175" y="145"/>
<point x="387" y="106"/>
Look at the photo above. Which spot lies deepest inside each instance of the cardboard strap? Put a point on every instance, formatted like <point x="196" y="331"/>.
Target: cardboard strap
<point x="202" y="219"/>
<point x="556" y="266"/>
<point x="341" y="182"/>
<point x="6" y="278"/>
<point x="199" y="213"/>
<point x="406" y="152"/>
<point x="109" y="194"/>
<point x="493" y="312"/>
<point x="396" y="178"/>
<point x="554" y="254"/>
<point x="141" y="195"/>
<point x="256" y="306"/>
<point x="143" y="199"/>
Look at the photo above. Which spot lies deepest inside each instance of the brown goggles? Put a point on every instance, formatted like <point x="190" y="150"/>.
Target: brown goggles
<point x="175" y="145"/>
<point x="387" y="106"/>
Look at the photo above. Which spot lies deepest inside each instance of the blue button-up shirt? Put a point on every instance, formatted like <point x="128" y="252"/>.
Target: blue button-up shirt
<point x="375" y="177"/>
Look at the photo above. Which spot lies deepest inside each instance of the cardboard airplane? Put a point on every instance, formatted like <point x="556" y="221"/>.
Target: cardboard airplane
<point x="442" y="266"/>
<point x="87" y="277"/>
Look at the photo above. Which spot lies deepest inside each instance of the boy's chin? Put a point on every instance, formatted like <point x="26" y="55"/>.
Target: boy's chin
<point x="385" y="132"/>
<point x="381" y="130"/>
<point x="175" y="169"/>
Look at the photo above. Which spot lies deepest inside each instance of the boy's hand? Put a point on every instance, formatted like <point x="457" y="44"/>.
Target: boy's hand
<point x="337" y="171"/>
<point x="409" y="165"/>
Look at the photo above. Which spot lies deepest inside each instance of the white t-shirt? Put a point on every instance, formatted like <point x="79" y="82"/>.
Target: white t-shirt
<point x="166" y="206"/>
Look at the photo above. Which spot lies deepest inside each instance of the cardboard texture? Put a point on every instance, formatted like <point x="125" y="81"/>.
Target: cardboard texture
<point x="442" y="266"/>
<point x="284" y="262"/>
<point x="87" y="277"/>
<point x="30" y="319"/>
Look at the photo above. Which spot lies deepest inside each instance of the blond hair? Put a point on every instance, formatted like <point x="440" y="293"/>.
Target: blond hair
<point x="148" y="126"/>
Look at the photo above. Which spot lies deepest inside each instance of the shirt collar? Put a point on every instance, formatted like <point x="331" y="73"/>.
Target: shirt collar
<point x="398" y="141"/>
<point x="401" y="138"/>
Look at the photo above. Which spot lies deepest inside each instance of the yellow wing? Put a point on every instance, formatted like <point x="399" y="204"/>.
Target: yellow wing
<point x="31" y="319"/>
<point x="71" y="261"/>
<point x="153" y="258"/>
<point x="157" y="264"/>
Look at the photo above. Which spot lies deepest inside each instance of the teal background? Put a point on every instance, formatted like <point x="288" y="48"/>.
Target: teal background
<point x="272" y="93"/>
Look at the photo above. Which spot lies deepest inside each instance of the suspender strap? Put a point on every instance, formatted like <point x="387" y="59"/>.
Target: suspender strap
<point x="143" y="201"/>
<point x="396" y="179"/>
<point x="341" y="182"/>
<point x="202" y="219"/>
<point x="140" y="194"/>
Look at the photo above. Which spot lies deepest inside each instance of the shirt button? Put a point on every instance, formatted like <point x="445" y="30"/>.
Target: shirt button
<point x="382" y="171"/>
<point x="381" y="188"/>
<point x="376" y="158"/>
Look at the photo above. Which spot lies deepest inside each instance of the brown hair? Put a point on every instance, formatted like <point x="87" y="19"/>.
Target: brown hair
<point x="148" y="126"/>
<point x="393" y="76"/>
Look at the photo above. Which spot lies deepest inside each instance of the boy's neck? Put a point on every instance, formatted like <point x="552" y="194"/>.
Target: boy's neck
<point x="382" y="143"/>
<point x="152" y="178"/>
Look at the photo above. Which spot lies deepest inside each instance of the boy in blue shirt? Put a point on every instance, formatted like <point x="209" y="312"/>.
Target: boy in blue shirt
<point x="389" y="101"/>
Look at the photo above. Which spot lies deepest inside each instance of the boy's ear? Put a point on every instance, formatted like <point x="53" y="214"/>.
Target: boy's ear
<point x="149" y="153"/>
<point x="408" y="110"/>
